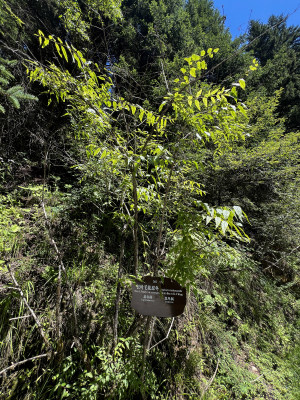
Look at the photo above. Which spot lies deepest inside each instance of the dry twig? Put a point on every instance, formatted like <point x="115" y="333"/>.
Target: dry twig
<point x="156" y="344"/>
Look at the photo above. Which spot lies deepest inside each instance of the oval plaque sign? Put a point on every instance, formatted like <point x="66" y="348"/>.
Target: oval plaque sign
<point x="160" y="297"/>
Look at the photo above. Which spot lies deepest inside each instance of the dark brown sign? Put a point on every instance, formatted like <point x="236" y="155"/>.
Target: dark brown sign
<point x="160" y="297"/>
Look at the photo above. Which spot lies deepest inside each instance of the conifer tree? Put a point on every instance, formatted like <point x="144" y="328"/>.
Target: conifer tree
<point x="13" y="94"/>
<point x="276" y="46"/>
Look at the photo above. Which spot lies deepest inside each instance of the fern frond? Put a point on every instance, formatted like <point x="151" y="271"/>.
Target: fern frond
<point x="9" y="63"/>
<point x="3" y="81"/>
<point x="5" y="73"/>
<point x="15" y="90"/>
<point x="15" y="93"/>
<point x="15" y="102"/>
<point x="25" y="96"/>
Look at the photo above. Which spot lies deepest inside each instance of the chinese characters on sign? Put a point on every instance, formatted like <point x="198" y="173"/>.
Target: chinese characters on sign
<point x="160" y="297"/>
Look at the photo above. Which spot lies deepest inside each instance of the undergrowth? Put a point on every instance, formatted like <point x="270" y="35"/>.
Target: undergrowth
<point x="236" y="340"/>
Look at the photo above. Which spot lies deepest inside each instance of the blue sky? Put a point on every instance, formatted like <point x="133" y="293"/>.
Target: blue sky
<point x="239" y="12"/>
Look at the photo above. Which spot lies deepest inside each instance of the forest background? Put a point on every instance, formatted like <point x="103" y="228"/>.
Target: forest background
<point x="140" y="139"/>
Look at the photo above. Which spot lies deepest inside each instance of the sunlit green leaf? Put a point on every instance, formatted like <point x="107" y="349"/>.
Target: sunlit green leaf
<point x="242" y="83"/>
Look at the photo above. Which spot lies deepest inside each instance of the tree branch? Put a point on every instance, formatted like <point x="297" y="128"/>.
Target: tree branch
<point x="13" y="366"/>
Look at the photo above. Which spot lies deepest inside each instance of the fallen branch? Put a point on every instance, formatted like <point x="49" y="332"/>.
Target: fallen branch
<point x="24" y="316"/>
<point x="13" y="366"/>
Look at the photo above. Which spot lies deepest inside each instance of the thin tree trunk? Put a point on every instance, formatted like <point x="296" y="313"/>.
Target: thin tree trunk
<point x="118" y="294"/>
<point x="145" y="349"/>
<point x="135" y="226"/>
<point x="151" y="333"/>
<point x="163" y="215"/>
<point x="164" y="75"/>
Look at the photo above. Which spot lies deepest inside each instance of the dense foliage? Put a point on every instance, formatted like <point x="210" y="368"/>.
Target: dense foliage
<point x="277" y="47"/>
<point x="140" y="139"/>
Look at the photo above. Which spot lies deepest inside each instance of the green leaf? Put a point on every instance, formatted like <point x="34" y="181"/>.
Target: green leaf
<point x="238" y="211"/>
<point x="208" y="219"/>
<point x="234" y="92"/>
<point x="242" y="83"/>
<point x="242" y="110"/>
<point x="64" y="53"/>
<point x="193" y="72"/>
<point x="224" y="226"/>
<point x="58" y="49"/>
<point x="133" y="109"/>
<point x="77" y="59"/>
<point x="217" y="221"/>
<point x="15" y="228"/>
<point x="195" y="57"/>
<point x="46" y="42"/>
<point x="162" y="105"/>
<point x="203" y="65"/>
<point x="226" y="214"/>
<point x="197" y="104"/>
<point x="205" y="101"/>
<point x="142" y="112"/>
